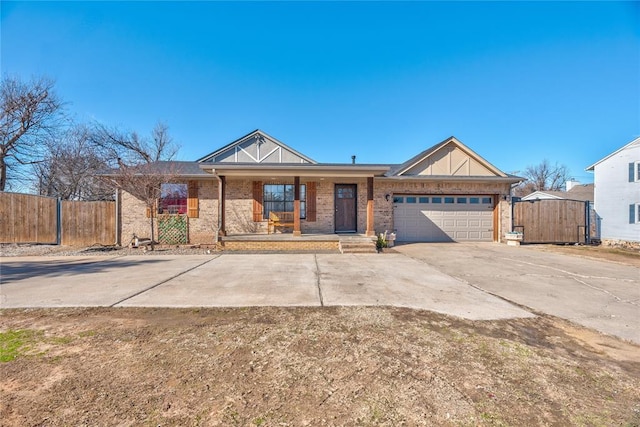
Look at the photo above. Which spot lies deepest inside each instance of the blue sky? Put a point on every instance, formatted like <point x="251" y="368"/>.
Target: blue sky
<point x="515" y="81"/>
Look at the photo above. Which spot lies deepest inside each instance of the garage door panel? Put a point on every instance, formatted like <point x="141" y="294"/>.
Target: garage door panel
<point x="466" y="219"/>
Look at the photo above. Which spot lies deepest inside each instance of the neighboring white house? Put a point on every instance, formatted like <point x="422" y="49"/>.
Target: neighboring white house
<point x="617" y="193"/>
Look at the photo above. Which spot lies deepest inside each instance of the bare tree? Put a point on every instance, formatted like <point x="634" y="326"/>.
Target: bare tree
<point x="543" y="176"/>
<point x="70" y="168"/>
<point x="144" y="182"/>
<point x="29" y="113"/>
<point x="142" y="163"/>
<point x="129" y="148"/>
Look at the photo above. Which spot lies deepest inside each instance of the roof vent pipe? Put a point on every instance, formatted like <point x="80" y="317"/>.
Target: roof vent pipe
<point x="353" y="159"/>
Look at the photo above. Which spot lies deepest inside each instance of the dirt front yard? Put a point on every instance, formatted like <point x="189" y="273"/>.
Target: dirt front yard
<point x="308" y="366"/>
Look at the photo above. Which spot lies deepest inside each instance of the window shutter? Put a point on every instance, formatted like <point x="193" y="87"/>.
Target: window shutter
<point x="632" y="214"/>
<point x="631" y="172"/>
<point x="192" y="200"/>
<point x="311" y="201"/>
<point x="257" y="201"/>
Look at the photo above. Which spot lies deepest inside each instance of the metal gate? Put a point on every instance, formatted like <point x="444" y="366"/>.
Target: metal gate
<point x="552" y="220"/>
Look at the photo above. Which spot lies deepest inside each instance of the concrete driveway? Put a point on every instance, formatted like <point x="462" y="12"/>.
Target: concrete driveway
<point x="473" y="281"/>
<point x="243" y="280"/>
<point x="598" y="294"/>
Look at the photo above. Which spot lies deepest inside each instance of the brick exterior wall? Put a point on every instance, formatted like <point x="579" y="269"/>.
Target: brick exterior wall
<point x="202" y="230"/>
<point x="239" y="207"/>
<point x="134" y="219"/>
<point x="275" y="245"/>
<point x="325" y="214"/>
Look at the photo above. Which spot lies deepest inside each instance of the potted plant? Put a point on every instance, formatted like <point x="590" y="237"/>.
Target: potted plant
<point x="381" y="242"/>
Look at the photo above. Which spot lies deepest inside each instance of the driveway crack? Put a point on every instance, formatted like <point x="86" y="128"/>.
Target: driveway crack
<point x="162" y="282"/>
<point x="614" y="296"/>
<point x="570" y="273"/>
<point x="315" y="257"/>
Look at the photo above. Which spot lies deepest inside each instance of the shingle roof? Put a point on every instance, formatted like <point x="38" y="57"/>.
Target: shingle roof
<point x="581" y="192"/>
<point x="173" y="167"/>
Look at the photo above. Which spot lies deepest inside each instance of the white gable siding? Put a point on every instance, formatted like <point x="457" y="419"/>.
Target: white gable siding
<point x="614" y="193"/>
<point x="257" y="149"/>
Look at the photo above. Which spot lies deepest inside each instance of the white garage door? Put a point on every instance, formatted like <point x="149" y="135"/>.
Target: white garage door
<point x="429" y="218"/>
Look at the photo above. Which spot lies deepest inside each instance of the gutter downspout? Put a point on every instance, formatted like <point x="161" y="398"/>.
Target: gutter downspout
<point x="220" y="204"/>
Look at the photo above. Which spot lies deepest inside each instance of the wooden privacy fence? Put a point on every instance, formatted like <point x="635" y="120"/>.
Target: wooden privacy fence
<point x="552" y="220"/>
<point x="27" y="218"/>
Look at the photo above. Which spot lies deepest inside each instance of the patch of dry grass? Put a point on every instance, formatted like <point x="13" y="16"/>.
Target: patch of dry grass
<point x="312" y="366"/>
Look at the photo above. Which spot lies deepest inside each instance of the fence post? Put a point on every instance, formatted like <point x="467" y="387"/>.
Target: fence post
<point x="118" y="219"/>
<point x="587" y="228"/>
<point x="512" y="211"/>
<point x="58" y="221"/>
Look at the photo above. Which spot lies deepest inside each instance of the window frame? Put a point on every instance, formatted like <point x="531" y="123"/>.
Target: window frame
<point x="266" y="201"/>
<point x="182" y="209"/>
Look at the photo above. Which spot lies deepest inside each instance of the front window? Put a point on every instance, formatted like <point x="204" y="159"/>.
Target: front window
<point x="173" y="199"/>
<point x="280" y="197"/>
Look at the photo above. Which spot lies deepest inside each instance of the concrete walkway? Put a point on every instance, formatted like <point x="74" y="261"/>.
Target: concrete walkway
<point x="231" y="280"/>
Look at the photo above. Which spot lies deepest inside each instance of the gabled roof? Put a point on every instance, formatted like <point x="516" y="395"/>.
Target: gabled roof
<point x="255" y="133"/>
<point x="632" y="143"/>
<point x="430" y="152"/>
<point x="547" y="194"/>
<point x="582" y="192"/>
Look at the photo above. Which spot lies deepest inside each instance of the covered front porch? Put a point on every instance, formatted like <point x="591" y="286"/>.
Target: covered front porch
<point x="320" y="200"/>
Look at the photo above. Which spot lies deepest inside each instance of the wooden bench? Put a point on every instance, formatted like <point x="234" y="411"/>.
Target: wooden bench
<point x="279" y="219"/>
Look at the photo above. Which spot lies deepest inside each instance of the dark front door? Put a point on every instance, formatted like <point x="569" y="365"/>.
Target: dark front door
<point x="345" y="196"/>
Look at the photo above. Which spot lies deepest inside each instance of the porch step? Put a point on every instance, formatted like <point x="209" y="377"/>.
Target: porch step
<point x="357" y="245"/>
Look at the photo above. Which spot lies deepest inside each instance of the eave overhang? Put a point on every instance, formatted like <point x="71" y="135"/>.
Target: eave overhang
<point x="179" y="176"/>
<point x="300" y="170"/>
<point x="452" y="178"/>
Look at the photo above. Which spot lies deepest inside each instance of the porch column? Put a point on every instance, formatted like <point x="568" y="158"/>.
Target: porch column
<point x="222" y="184"/>
<point x="370" y="232"/>
<point x="296" y="206"/>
